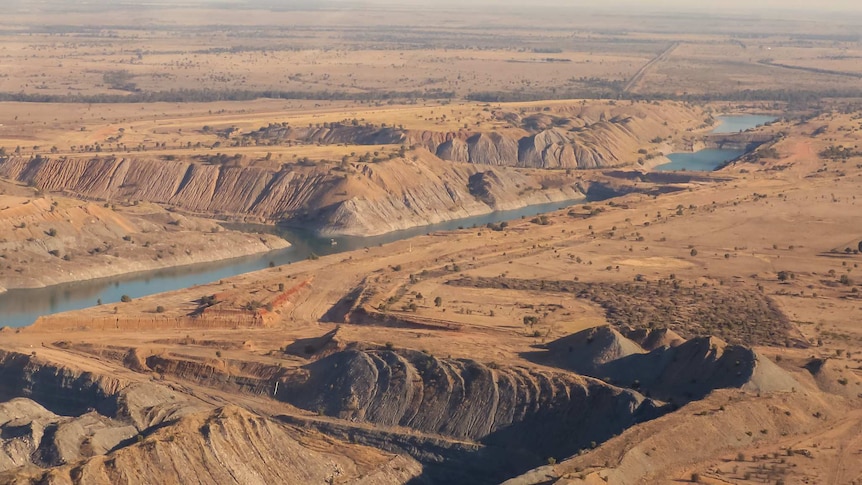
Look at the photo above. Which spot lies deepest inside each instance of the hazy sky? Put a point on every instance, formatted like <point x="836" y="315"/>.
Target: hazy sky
<point x="766" y="7"/>
<point x="846" y="5"/>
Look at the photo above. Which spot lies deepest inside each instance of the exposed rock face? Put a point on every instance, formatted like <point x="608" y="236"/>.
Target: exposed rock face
<point x="698" y="366"/>
<point x="575" y="136"/>
<point x="687" y="371"/>
<point x="589" y="350"/>
<point x="655" y="338"/>
<point x="550" y="148"/>
<point x="445" y="191"/>
<point x="370" y="199"/>
<point x="107" y="430"/>
<point x="660" y="450"/>
<point x="212" y="189"/>
<point x="546" y="149"/>
<point x="510" y="406"/>
<point x="70" y="392"/>
<point x="229" y="446"/>
<point x="464" y="421"/>
<point x="492" y="149"/>
<point x="33" y="435"/>
<point x="455" y="150"/>
<point x="481" y="186"/>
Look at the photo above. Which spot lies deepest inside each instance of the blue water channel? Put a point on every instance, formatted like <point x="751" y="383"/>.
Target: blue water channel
<point x="21" y="307"/>
<point x="711" y="159"/>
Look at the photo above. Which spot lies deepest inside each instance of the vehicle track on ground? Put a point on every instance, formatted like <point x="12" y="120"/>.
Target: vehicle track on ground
<point x="638" y="77"/>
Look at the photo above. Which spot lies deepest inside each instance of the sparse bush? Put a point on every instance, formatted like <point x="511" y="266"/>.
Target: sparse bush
<point x="541" y="220"/>
<point x="253" y="305"/>
<point x="125" y="298"/>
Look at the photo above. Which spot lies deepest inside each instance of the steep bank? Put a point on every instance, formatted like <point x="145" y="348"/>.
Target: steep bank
<point x="66" y="424"/>
<point x="445" y="192"/>
<point x="567" y="136"/>
<point x="359" y="199"/>
<point x="317" y="176"/>
<point x="52" y="240"/>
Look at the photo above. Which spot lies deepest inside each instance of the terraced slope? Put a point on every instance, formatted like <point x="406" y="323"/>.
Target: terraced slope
<point x="573" y="136"/>
<point x="680" y="373"/>
<point x="363" y="199"/>
<point x="229" y="446"/>
<point x="539" y="411"/>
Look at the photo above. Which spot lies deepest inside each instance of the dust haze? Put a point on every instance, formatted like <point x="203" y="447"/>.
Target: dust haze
<point x="456" y="242"/>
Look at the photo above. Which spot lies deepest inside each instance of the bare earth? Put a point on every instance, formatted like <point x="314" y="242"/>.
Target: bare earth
<point x="678" y="327"/>
<point x="753" y="221"/>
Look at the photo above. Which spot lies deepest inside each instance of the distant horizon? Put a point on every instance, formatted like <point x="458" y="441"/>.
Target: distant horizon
<point x="648" y="5"/>
<point x="852" y="6"/>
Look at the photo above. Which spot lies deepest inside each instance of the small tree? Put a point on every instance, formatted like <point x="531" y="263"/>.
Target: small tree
<point x="125" y="298"/>
<point x="693" y="252"/>
<point x="438" y="301"/>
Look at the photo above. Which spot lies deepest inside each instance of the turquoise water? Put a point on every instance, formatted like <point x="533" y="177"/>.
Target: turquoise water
<point x="21" y="307"/>
<point x="737" y="123"/>
<point x="702" y="161"/>
<point x="709" y="160"/>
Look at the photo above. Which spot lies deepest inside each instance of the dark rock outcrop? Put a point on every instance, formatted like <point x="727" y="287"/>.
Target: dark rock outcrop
<point x="680" y="373"/>
<point x="544" y="412"/>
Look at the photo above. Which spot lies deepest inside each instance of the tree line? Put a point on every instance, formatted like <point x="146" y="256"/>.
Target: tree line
<point x="207" y="95"/>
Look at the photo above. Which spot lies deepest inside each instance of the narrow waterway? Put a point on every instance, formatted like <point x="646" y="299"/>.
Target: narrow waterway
<point x="22" y="307"/>
<point x="711" y="159"/>
<point x="737" y="123"/>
